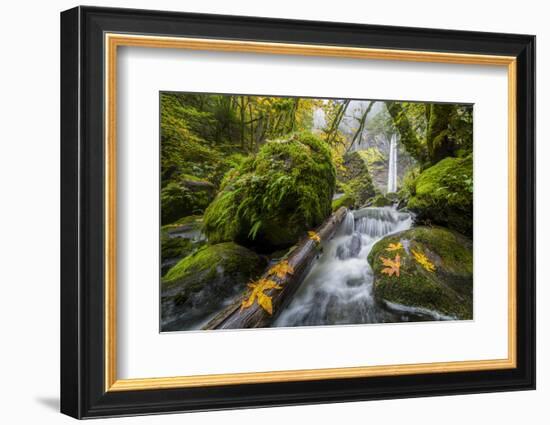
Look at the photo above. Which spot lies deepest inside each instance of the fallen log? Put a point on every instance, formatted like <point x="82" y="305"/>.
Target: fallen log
<point x="300" y="260"/>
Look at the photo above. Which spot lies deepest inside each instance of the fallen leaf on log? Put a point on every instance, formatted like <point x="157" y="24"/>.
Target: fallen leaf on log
<point x="281" y="269"/>
<point x="314" y="236"/>
<point x="257" y="294"/>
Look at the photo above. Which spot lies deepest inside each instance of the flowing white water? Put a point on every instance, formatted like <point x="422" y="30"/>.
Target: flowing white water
<point x="392" y="167"/>
<point x="339" y="287"/>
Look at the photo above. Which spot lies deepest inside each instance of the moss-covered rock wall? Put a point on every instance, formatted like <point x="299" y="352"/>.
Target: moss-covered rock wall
<point x="443" y="194"/>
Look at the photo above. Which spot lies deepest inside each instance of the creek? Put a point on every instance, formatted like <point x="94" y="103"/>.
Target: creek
<point x="339" y="286"/>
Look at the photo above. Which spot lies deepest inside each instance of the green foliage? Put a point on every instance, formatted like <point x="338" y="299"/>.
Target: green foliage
<point x="355" y="180"/>
<point x="177" y="200"/>
<point x="408" y="186"/>
<point x="461" y="129"/>
<point x="373" y="156"/>
<point x="381" y="201"/>
<point x="334" y="110"/>
<point x="270" y="200"/>
<point x="174" y="247"/>
<point x="183" y="150"/>
<point x="410" y="121"/>
<point x="448" y="289"/>
<point x="443" y="194"/>
<point x="348" y="200"/>
<point x="203" y="136"/>
<point x="433" y="131"/>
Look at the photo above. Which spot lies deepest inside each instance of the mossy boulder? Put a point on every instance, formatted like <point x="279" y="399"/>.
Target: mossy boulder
<point x="202" y="283"/>
<point x="443" y="194"/>
<point x="188" y="196"/>
<point x="446" y="290"/>
<point x="270" y="200"/>
<point x="355" y="180"/>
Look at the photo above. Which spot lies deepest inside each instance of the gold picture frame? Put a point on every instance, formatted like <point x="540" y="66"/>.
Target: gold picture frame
<point x="114" y="41"/>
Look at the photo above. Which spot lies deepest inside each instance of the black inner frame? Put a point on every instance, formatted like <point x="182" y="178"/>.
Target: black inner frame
<point x="82" y="212"/>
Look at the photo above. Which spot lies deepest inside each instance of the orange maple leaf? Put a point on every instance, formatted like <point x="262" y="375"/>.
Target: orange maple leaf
<point x="392" y="266"/>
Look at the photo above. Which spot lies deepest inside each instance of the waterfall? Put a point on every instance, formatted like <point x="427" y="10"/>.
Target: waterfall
<point x="392" y="167"/>
<point x="338" y="289"/>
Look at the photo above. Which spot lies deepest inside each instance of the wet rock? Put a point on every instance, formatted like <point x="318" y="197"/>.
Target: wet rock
<point x="446" y="289"/>
<point x="350" y="248"/>
<point x="199" y="285"/>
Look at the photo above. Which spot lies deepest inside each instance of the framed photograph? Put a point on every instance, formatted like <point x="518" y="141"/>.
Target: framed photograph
<point x="261" y="212"/>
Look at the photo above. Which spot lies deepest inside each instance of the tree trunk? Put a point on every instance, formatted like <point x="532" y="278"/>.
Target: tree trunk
<point x="337" y="120"/>
<point x="408" y="136"/>
<point x="300" y="259"/>
<point x="437" y="140"/>
<point x="252" y="139"/>
<point x="243" y="124"/>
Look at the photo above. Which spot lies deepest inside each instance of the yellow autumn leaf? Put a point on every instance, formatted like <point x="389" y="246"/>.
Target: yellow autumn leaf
<point x="257" y="293"/>
<point x="394" y="247"/>
<point x="264" y="301"/>
<point x="281" y="269"/>
<point x="314" y="236"/>
<point x="392" y="266"/>
<point x="423" y="261"/>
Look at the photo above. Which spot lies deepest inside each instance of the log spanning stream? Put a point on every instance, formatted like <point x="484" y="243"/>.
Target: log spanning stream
<point x="339" y="287"/>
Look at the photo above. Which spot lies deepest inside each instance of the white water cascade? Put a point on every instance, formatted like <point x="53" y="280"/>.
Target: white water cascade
<point x="392" y="168"/>
<point x="339" y="286"/>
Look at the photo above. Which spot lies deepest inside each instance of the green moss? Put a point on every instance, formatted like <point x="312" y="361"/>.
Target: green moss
<point x="443" y="194"/>
<point x="192" y="221"/>
<point x="270" y="200"/>
<point x="355" y="179"/>
<point x="347" y="200"/>
<point x="174" y="247"/>
<point x="372" y="156"/>
<point x="208" y="262"/>
<point x="204" y="282"/>
<point x="408" y="187"/>
<point x="187" y="197"/>
<point x="447" y="290"/>
<point x="381" y="201"/>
